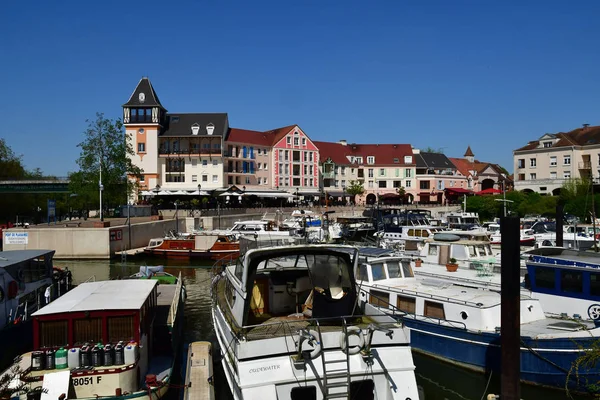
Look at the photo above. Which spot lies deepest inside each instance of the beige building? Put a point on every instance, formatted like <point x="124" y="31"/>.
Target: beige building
<point x="546" y="164"/>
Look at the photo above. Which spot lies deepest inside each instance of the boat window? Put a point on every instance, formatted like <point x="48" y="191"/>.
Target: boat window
<point x="424" y="233"/>
<point x="481" y="249"/>
<point x="362" y="273"/>
<point x="411" y="232"/>
<point x="594" y="284"/>
<point x="120" y="328"/>
<point x="472" y="251"/>
<point x="435" y="310"/>
<point x="87" y="330"/>
<point x="544" y="278"/>
<point x="406" y="304"/>
<point x="229" y="293"/>
<point x="378" y="298"/>
<point x="571" y="281"/>
<point x="239" y="269"/>
<point x="394" y="269"/>
<point x="488" y="249"/>
<point x="433" y="250"/>
<point x="304" y="393"/>
<point x="377" y="271"/>
<point x="53" y="333"/>
<point x="407" y="269"/>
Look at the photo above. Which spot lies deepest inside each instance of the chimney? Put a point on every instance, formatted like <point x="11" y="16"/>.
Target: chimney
<point x="343" y="142"/>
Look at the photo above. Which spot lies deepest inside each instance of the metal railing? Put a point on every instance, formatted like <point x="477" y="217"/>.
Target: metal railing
<point x="175" y="302"/>
<point x="426" y="295"/>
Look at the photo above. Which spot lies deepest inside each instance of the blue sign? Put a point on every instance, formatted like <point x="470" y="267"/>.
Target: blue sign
<point x="51" y="210"/>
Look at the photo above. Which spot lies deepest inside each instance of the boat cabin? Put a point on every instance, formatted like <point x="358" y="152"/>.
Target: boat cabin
<point x="462" y="220"/>
<point x="253" y="226"/>
<point x="465" y="247"/>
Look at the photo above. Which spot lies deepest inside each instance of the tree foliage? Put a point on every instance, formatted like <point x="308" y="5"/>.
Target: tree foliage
<point x="355" y="188"/>
<point x="430" y="149"/>
<point x="104" y="147"/>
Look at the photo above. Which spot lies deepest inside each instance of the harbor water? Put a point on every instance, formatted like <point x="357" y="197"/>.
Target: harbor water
<point x="437" y="380"/>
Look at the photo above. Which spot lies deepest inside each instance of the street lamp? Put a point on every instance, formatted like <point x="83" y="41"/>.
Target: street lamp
<point x="69" y="202"/>
<point x="100" y="188"/>
<point x="199" y="196"/>
<point x="344" y="194"/>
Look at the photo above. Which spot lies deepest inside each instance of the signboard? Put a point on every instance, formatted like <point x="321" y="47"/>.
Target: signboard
<point x="16" y="237"/>
<point x="51" y="210"/>
<point x="116" y="234"/>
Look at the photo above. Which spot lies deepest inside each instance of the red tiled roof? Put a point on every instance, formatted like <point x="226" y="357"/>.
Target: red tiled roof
<point x="384" y="153"/>
<point x="578" y="137"/>
<point x="268" y="138"/>
<point x="462" y="165"/>
<point x="279" y="133"/>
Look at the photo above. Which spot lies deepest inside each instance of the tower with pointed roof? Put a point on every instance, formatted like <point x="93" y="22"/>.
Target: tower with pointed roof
<point x="143" y="117"/>
<point x="469" y="155"/>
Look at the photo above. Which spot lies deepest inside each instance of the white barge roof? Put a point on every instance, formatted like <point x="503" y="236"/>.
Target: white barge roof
<point x="11" y="257"/>
<point x="128" y="294"/>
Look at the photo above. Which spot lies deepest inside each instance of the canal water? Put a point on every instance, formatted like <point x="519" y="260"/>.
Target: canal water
<point x="438" y="381"/>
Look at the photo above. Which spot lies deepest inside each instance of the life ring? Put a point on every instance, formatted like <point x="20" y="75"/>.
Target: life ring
<point x="352" y="331"/>
<point x="315" y="344"/>
<point x="594" y="312"/>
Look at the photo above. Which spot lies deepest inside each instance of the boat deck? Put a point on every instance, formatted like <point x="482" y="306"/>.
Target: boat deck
<point x="166" y="296"/>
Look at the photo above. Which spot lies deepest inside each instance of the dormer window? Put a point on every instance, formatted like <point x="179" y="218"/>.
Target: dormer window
<point x="371" y="160"/>
<point x="408" y="160"/>
<point x="174" y="120"/>
<point x="195" y="129"/>
<point x="547" y="144"/>
<point x="396" y="160"/>
<point x="210" y="128"/>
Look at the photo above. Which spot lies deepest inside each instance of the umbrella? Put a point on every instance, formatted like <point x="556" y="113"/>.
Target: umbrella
<point x="489" y="191"/>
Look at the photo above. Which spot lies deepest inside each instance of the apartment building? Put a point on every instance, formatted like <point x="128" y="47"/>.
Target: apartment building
<point x="176" y="151"/>
<point x="546" y="164"/>
<point x="381" y="168"/>
<point x="436" y="176"/>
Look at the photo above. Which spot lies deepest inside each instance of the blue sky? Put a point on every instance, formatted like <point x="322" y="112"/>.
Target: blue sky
<point x="444" y="74"/>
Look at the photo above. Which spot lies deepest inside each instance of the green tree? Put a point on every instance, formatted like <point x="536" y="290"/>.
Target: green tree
<point x="104" y="146"/>
<point x="430" y="149"/>
<point x="354" y="189"/>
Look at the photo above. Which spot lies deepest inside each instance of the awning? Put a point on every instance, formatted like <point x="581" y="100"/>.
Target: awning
<point x="489" y="191"/>
<point x="175" y="193"/>
<point x="458" y="191"/>
<point x="389" y="196"/>
<point x="269" y="194"/>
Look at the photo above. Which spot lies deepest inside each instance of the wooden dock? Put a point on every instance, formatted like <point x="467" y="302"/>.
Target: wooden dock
<point x="199" y="370"/>
<point x="130" y="252"/>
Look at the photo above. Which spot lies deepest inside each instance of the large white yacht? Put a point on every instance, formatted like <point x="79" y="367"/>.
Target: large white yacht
<point x="289" y="327"/>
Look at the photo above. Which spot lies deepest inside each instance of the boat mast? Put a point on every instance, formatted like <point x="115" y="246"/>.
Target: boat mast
<point x="593" y="212"/>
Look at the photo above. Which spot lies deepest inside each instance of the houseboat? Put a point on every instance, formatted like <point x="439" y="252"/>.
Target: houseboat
<point x="109" y="339"/>
<point x="461" y="325"/>
<point x="202" y="245"/>
<point x="288" y="326"/>
<point x="28" y="281"/>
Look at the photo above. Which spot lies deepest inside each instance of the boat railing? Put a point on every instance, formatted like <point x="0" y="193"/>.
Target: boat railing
<point x="396" y="312"/>
<point x="460" y="280"/>
<point x="92" y="278"/>
<point x="175" y="302"/>
<point x="427" y="295"/>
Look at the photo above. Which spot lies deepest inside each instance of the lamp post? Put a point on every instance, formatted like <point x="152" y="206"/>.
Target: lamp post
<point x="199" y="198"/>
<point x="344" y="194"/>
<point x="69" y="202"/>
<point x="504" y="201"/>
<point x="100" y="188"/>
<point x="297" y="198"/>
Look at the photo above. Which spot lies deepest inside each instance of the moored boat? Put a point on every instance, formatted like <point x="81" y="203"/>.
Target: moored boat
<point x="461" y="325"/>
<point x="288" y="326"/>
<point x="109" y="339"/>
<point x="202" y="245"/>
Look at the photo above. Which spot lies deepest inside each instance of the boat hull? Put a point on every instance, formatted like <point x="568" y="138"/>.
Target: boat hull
<point x="192" y="254"/>
<point x="20" y="337"/>
<point x="544" y="362"/>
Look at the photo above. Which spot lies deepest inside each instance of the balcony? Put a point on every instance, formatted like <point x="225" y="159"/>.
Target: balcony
<point x="188" y="152"/>
<point x="585" y="165"/>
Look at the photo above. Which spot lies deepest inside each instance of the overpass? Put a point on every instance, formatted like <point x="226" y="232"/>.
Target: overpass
<point x="54" y="185"/>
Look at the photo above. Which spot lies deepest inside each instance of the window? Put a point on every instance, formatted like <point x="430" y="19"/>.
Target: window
<point x="532" y="176"/>
<point x="544" y="277"/>
<point x="362" y="273"/>
<point x="440" y="185"/>
<point x="194" y="163"/>
<point x="378" y="298"/>
<point x="381" y="171"/>
<point x="343" y="183"/>
<point x="553" y="175"/>
<point x="289" y="140"/>
<point x="87" y="330"/>
<point x="408" y="173"/>
<point x="571" y="281"/>
<point x="306" y="156"/>
<point x="521" y="163"/>
<point x="424" y="185"/>
<point x="305" y="169"/>
<point x="370" y="184"/>
<point x="406" y="304"/>
<point x="370" y="171"/>
<point x="408" y="160"/>
<point x="521" y="177"/>
<point x="280" y="154"/>
<point x="310" y="156"/>
<point x="204" y="163"/>
<point x="377" y="271"/>
<point x="342" y="170"/>
<point x="142" y="178"/>
<point x="120" y="329"/>
<point x="310" y="169"/>
<point x="408" y="184"/>
<point x="141" y="147"/>
<point x="296" y="156"/>
<point x="435" y="310"/>
<point x="265" y="181"/>
<point x="194" y="178"/>
<point x="532" y="162"/>
<point x="265" y="166"/>
<point x="566" y="160"/>
<point x="296" y="141"/>
<point x="370" y="160"/>
<point x="311" y="182"/>
<point x="306" y="182"/>
<point x="594" y="284"/>
<point x="215" y="162"/>
<point x="396" y="160"/>
<point x="553" y="161"/>
<point x="303" y="141"/>
<point x="215" y="178"/>
<point x="547" y="144"/>
<point x="53" y="333"/>
<point x="286" y="155"/>
<point x="567" y="175"/>
<point x="204" y="178"/>
<point x="247" y="180"/>
<point x="382" y="184"/>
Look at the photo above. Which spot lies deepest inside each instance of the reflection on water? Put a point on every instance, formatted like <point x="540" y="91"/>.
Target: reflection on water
<point x="438" y="380"/>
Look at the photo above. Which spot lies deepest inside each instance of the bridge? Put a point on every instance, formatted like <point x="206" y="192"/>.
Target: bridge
<point x="58" y="185"/>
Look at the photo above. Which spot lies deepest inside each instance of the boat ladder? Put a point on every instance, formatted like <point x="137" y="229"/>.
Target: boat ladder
<point x="336" y="369"/>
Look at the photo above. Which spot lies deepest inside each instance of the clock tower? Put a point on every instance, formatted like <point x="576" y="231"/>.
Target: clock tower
<point x="143" y="117"/>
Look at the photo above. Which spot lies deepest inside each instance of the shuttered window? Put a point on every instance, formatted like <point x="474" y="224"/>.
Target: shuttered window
<point x="120" y="328"/>
<point x="406" y="304"/>
<point x="53" y="333"/>
<point x="87" y="330"/>
<point x="378" y="298"/>
<point x="435" y="310"/>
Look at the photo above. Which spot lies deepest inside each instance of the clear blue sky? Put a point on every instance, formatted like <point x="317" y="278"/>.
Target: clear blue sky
<point x="445" y="74"/>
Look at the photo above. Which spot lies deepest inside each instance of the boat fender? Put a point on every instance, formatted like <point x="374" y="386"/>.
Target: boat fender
<point x="312" y="336"/>
<point x="352" y="331"/>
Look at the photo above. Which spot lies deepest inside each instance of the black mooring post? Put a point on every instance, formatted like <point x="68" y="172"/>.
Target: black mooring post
<point x="510" y="310"/>
<point x="560" y="215"/>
